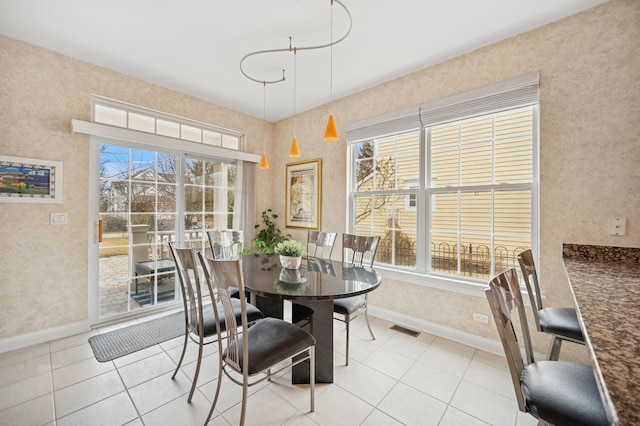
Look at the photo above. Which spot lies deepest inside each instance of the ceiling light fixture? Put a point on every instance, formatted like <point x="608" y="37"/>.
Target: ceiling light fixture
<point x="294" y="150"/>
<point x="264" y="164"/>
<point x="331" y="133"/>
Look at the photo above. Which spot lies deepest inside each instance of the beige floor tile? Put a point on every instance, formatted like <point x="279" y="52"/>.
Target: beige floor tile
<point x="21" y="370"/>
<point x="25" y="390"/>
<point x="388" y="362"/>
<point x="367" y="384"/>
<point x="408" y="346"/>
<point x="38" y="411"/>
<point x="378" y="418"/>
<point x="484" y="404"/>
<point x="179" y="412"/>
<point x="83" y="370"/>
<point x="412" y="407"/>
<point x="449" y="356"/>
<point x="71" y="355"/>
<point x="156" y="392"/>
<point x="146" y="369"/>
<point x="336" y="406"/>
<point x="88" y="392"/>
<point x="432" y="381"/>
<point x="113" y="411"/>
<point x="490" y="377"/>
<point x="19" y="355"/>
<point x="278" y="412"/>
<point x="455" y="417"/>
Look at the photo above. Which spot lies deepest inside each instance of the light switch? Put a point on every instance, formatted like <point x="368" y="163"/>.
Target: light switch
<point x="617" y="225"/>
<point x="58" y="219"/>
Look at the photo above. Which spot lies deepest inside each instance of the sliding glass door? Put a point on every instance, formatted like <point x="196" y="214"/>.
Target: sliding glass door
<point x="146" y="200"/>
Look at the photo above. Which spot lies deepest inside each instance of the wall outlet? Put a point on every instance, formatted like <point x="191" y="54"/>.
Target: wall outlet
<point x="481" y="318"/>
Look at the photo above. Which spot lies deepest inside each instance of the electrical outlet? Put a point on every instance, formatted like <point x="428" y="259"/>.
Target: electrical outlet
<point x="481" y="318"/>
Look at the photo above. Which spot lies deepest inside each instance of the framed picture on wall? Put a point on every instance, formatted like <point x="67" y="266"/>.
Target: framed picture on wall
<point x="27" y="180"/>
<point x="303" y="198"/>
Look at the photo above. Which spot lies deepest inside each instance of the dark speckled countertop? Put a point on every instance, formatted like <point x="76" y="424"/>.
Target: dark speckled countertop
<point x="606" y="285"/>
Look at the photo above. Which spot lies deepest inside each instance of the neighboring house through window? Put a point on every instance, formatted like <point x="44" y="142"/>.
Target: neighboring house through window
<point x="473" y="206"/>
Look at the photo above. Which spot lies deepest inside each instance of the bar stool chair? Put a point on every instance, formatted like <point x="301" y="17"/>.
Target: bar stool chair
<point x="560" y="322"/>
<point x="555" y="392"/>
<point x="357" y="251"/>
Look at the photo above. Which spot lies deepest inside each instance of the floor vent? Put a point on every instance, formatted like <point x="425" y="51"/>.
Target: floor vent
<point x="405" y="331"/>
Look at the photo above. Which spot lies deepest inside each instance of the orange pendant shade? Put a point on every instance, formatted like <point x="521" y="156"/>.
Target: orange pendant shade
<point x="331" y="133"/>
<point x="264" y="164"/>
<point x="294" y="151"/>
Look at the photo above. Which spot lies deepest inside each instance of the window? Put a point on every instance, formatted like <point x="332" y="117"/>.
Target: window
<point x="114" y="113"/>
<point x="472" y="209"/>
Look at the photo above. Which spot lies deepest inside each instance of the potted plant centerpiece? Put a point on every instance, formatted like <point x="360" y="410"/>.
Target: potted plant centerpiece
<point x="291" y="252"/>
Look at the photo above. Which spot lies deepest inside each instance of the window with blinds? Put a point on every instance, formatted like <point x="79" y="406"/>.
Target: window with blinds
<point x="453" y="197"/>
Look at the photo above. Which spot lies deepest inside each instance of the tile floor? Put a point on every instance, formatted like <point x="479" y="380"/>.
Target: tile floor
<point x="393" y="380"/>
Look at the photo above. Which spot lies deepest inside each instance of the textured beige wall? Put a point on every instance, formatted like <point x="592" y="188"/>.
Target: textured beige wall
<point x="590" y="156"/>
<point x="589" y="66"/>
<point x="43" y="280"/>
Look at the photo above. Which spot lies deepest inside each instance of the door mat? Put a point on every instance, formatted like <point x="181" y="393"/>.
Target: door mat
<point x="127" y="340"/>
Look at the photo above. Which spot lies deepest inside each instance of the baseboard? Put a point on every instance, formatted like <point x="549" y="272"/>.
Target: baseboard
<point x="478" y="342"/>
<point x="42" y="336"/>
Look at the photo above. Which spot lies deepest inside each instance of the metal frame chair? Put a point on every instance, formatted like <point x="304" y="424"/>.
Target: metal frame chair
<point x="226" y="243"/>
<point x="252" y="352"/>
<point x="199" y="318"/>
<point x="560" y="322"/>
<point x="320" y="244"/>
<point x="357" y="251"/>
<point x="556" y="392"/>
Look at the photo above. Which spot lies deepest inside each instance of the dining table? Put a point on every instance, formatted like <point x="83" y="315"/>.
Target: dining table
<point x="311" y="288"/>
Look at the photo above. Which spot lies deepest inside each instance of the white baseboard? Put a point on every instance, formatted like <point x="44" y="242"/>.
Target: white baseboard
<point x="478" y="342"/>
<point x="42" y="336"/>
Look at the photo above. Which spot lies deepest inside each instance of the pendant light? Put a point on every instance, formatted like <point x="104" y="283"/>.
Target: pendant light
<point x="264" y="164"/>
<point x="331" y="132"/>
<point x="294" y="150"/>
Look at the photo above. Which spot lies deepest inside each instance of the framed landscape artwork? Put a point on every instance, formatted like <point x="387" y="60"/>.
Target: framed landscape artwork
<point x="26" y="180"/>
<point x="303" y="201"/>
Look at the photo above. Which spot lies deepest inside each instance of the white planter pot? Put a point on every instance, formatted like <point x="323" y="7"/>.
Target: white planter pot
<point x="290" y="262"/>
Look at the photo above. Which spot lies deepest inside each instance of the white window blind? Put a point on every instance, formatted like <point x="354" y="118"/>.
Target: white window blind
<point x="519" y="91"/>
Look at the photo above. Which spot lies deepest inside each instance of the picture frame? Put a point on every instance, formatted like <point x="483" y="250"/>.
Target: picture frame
<point x="303" y="194"/>
<point x="28" y="180"/>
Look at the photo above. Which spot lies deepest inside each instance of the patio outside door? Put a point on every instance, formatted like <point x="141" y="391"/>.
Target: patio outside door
<point x="148" y="199"/>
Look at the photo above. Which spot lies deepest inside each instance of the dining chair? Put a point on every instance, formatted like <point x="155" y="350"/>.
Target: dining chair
<point x="560" y="322"/>
<point x="555" y="392"/>
<point x="199" y="318"/>
<point x="257" y="353"/>
<point x="357" y="251"/>
<point x="320" y="244"/>
<point x="226" y="243"/>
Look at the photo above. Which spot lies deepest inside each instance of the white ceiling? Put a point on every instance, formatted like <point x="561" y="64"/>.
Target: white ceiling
<point x="195" y="46"/>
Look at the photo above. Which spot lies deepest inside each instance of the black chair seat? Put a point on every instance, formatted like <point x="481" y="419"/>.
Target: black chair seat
<point x="301" y="313"/>
<point x="271" y="341"/>
<point x="563" y="393"/>
<point x="348" y="305"/>
<point x="209" y="319"/>
<point x="561" y="321"/>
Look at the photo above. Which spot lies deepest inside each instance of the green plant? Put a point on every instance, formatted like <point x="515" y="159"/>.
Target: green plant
<point x="269" y="236"/>
<point x="291" y="248"/>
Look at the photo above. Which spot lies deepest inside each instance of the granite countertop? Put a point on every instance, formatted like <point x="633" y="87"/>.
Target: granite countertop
<point x="606" y="285"/>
